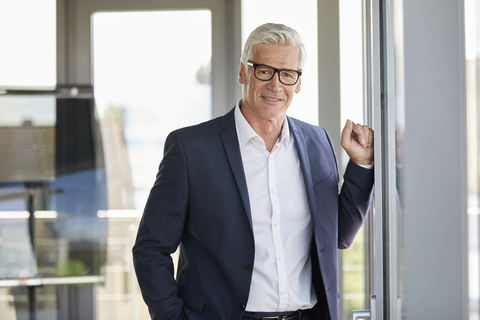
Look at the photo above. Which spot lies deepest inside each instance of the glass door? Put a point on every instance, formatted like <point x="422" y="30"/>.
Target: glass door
<point x="385" y="113"/>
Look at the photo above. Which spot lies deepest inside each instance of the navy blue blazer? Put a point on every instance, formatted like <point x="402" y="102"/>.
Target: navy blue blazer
<point x="200" y="202"/>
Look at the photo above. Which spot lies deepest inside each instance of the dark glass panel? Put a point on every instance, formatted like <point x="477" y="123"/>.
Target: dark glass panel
<point x="52" y="160"/>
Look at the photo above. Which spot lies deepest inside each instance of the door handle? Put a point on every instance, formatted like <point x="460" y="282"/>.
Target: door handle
<point x="366" y="314"/>
<point x="361" y="314"/>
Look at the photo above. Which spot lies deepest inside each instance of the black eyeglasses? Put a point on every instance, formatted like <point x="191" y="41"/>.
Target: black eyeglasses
<point x="265" y="73"/>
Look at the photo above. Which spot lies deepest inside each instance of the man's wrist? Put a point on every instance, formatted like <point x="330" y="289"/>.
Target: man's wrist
<point x="364" y="164"/>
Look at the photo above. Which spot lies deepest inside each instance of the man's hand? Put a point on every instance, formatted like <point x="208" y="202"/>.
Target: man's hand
<point x="357" y="140"/>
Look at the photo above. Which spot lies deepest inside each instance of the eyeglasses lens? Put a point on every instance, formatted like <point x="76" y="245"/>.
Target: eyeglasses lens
<point x="267" y="73"/>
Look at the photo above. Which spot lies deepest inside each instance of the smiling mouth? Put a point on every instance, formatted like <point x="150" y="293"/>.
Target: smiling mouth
<point x="272" y="99"/>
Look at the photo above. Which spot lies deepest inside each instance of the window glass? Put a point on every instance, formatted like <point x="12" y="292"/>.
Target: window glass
<point x="28" y="55"/>
<point x="148" y="82"/>
<point x="472" y="41"/>
<point x="351" y="64"/>
<point x="152" y="75"/>
<point x="27" y="138"/>
<point x="354" y="274"/>
<point x="52" y="184"/>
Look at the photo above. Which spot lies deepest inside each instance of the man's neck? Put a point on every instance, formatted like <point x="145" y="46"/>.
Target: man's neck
<point x="268" y="130"/>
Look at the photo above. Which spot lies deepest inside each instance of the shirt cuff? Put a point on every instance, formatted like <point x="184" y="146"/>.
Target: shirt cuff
<point x="366" y="166"/>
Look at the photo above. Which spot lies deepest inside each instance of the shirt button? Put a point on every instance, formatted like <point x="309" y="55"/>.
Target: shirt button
<point x="273" y="191"/>
<point x="275" y="224"/>
<point x="248" y="266"/>
<point x="279" y="258"/>
<point x="242" y="306"/>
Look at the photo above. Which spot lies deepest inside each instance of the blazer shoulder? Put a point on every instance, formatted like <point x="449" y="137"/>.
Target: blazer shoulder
<point x="315" y="137"/>
<point x="216" y="125"/>
<point x="308" y="129"/>
<point x="199" y="128"/>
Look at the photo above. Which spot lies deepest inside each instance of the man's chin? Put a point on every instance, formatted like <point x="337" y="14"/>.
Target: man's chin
<point x="272" y="116"/>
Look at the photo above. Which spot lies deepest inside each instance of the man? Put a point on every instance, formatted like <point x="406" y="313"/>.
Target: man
<point x="252" y="200"/>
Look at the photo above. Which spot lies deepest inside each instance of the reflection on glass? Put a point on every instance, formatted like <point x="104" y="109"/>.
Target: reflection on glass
<point x="152" y="75"/>
<point x="28" y="122"/>
<point x="400" y="214"/>
<point x="52" y="184"/>
<point x="17" y="258"/>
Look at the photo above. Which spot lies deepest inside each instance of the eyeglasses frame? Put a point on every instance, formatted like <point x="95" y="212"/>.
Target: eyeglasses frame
<point x="275" y="70"/>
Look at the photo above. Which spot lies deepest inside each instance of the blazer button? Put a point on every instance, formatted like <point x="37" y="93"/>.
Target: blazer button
<point x="242" y="306"/>
<point x="248" y="266"/>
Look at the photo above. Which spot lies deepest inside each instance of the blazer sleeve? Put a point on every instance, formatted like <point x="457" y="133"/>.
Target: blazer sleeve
<point x="354" y="202"/>
<point x="160" y="232"/>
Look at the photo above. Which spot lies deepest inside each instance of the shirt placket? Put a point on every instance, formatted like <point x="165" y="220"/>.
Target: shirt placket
<point x="276" y="232"/>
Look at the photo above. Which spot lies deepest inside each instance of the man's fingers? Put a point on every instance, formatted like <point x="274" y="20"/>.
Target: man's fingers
<point x="359" y="134"/>
<point x="347" y="133"/>
<point x="357" y="140"/>
<point x="367" y="136"/>
<point x="363" y="134"/>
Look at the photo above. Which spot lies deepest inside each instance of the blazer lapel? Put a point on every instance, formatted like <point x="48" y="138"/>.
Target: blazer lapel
<point x="302" y="152"/>
<point x="232" y="149"/>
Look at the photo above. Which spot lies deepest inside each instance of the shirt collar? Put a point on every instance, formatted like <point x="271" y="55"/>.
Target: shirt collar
<point x="245" y="132"/>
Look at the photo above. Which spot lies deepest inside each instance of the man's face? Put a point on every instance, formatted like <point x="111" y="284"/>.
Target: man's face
<point x="269" y="100"/>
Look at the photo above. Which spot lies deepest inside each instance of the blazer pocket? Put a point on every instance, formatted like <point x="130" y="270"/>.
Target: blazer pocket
<point x="192" y="300"/>
<point x="324" y="184"/>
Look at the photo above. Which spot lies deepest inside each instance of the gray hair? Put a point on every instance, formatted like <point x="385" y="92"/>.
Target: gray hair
<point x="273" y="33"/>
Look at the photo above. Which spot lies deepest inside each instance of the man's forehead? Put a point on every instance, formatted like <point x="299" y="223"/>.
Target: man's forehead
<point x="274" y="47"/>
<point x="266" y="53"/>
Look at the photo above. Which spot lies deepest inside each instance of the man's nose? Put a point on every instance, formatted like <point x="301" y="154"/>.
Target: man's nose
<point x="275" y="83"/>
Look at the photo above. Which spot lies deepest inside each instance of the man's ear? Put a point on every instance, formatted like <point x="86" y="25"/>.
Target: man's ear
<point x="298" y="85"/>
<point x="242" y="77"/>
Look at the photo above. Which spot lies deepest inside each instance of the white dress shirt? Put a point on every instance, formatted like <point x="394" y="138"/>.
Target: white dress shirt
<point x="282" y="272"/>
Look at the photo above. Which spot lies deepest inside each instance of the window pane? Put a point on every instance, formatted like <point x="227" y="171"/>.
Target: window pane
<point x="151" y="75"/>
<point x="28" y="55"/>
<point x="28" y="122"/>
<point x="472" y="42"/>
<point x="351" y="64"/>
<point x="354" y="267"/>
<point x="52" y="185"/>
<point x="148" y="82"/>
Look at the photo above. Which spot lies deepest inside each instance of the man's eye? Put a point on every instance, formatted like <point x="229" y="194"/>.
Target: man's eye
<point x="265" y="71"/>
